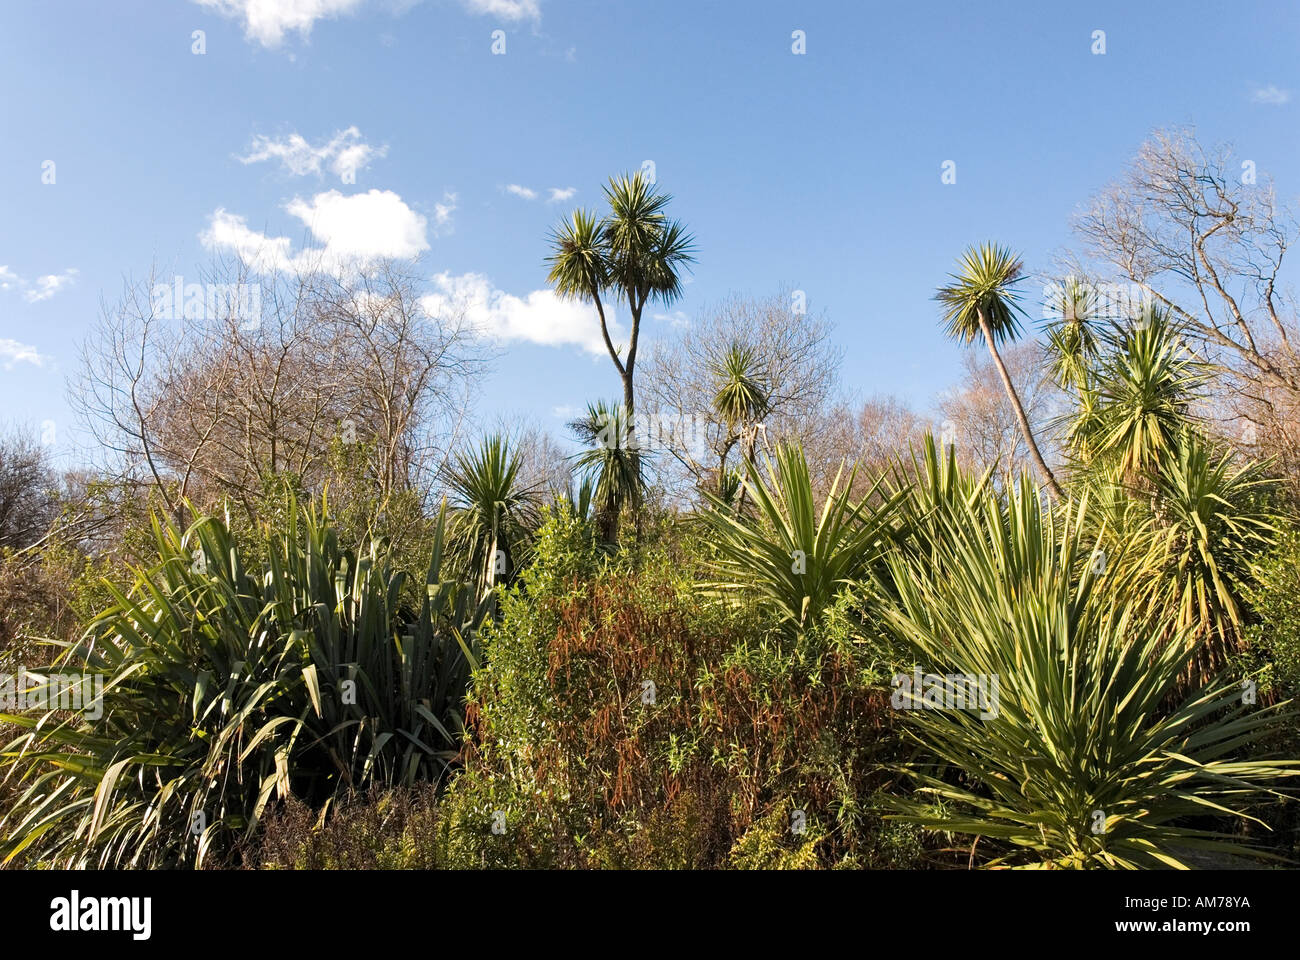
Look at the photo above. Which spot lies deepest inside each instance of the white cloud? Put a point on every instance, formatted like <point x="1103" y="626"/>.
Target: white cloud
<point x="9" y="279"/>
<point x="347" y="230"/>
<point x="50" y="284"/>
<point x="12" y="352"/>
<point x="364" y="225"/>
<point x="267" y="21"/>
<point x="540" y="317"/>
<point x="442" y="214"/>
<point x="507" y="9"/>
<point x="555" y="194"/>
<point x="230" y="232"/>
<point x="676" y="318"/>
<point x="343" y="155"/>
<point x="1271" y="95"/>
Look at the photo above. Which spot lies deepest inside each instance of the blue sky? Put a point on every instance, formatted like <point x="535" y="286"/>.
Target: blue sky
<point x="820" y="172"/>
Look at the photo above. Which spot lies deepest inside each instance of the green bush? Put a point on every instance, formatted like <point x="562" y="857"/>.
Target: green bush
<point x="1274" y="638"/>
<point x="226" y="688"/>
<point x="622" y="720"/>
<point x="1092" y="753"/>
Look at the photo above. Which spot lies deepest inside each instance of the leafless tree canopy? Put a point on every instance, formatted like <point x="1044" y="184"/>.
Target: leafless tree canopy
<point x="1185" y="223"/>
<point x="214" y="407"/>
<point x="799" y="367"/>
<point x="29" y="491"/>
<point x="976" y="417"/>
<point x="872" y="435"/>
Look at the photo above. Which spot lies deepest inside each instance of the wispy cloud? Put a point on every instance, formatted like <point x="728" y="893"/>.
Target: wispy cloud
<point x="553" y="194"/>
<point x="267" y="21"/>
<point x="676" y="319"/>
<point x="507" y="9"/>
<point x="442" y="223"/>
<point x="1271" y="95"/>
<point x="42" y="288"/>
<point x="343" y="155"/>
<point x="12" y="352"/>
<point x="47" y="286"/>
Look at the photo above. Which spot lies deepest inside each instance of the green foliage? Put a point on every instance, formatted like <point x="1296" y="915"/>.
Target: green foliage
<point x="622" y="720"/>
<point x="771" y="844"/>
<point x="1088" y="715"/>
<point x="615" y="465"/>
<point x="1072" y="341"/>
<point x="983" y="292"/>
<point x="1216" y="520"/>
<point x="742" y="394"/>
<point x="495" y="514"/>
<point x="1275" y="600"/>
<point x="645" y="251"/>
<point x="225" y="689"/>
<point x="792" y="558"/>
<point x="1136" y="404"/>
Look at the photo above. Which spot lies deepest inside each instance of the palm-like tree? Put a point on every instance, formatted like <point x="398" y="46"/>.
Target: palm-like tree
<point x="494" y="513"/>
<point x="580" y="267"/>
<point x="1146" y="386"/>
<point x="635" y="253"/>
<point x="1072" y="341"/>
<point x="742" y="399"/>
<point x="982" y="300"/>
<point x="614" y="461"/>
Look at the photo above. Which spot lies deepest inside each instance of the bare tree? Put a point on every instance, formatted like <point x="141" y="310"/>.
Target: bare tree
<point x="29" y="491"/>
<point x="218" y="404"/>
<point x="873" y="436"/>
<point x="798" y="369"/>
<point x="1192" y="228"/>
<point x="978" y="420"/>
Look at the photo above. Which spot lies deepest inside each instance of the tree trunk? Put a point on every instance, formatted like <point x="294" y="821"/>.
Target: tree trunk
<point x="1019" y="410"/>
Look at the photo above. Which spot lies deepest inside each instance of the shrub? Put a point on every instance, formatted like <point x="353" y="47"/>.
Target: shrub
<point x="621" y="720"/>
<point x="1092" y="755"/>
<point x="379" y="830"/>
<point x="224" y="689"/>
<point x="1275" y="600"/>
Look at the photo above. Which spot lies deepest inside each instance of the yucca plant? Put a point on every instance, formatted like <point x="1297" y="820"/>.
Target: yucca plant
<point x="1075" y="760"/>
<point x="742" y="400"/>
<point x="1146" y="384"/>
<point x="791" y="556"/>
<point x="226" y="689"/>
<point x="495" y="512"/>
<point x="1215" y="520"/>
<point x="615" y="463"/>
<point x="932" y="485"/>
<point x="1072" y="341"/>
